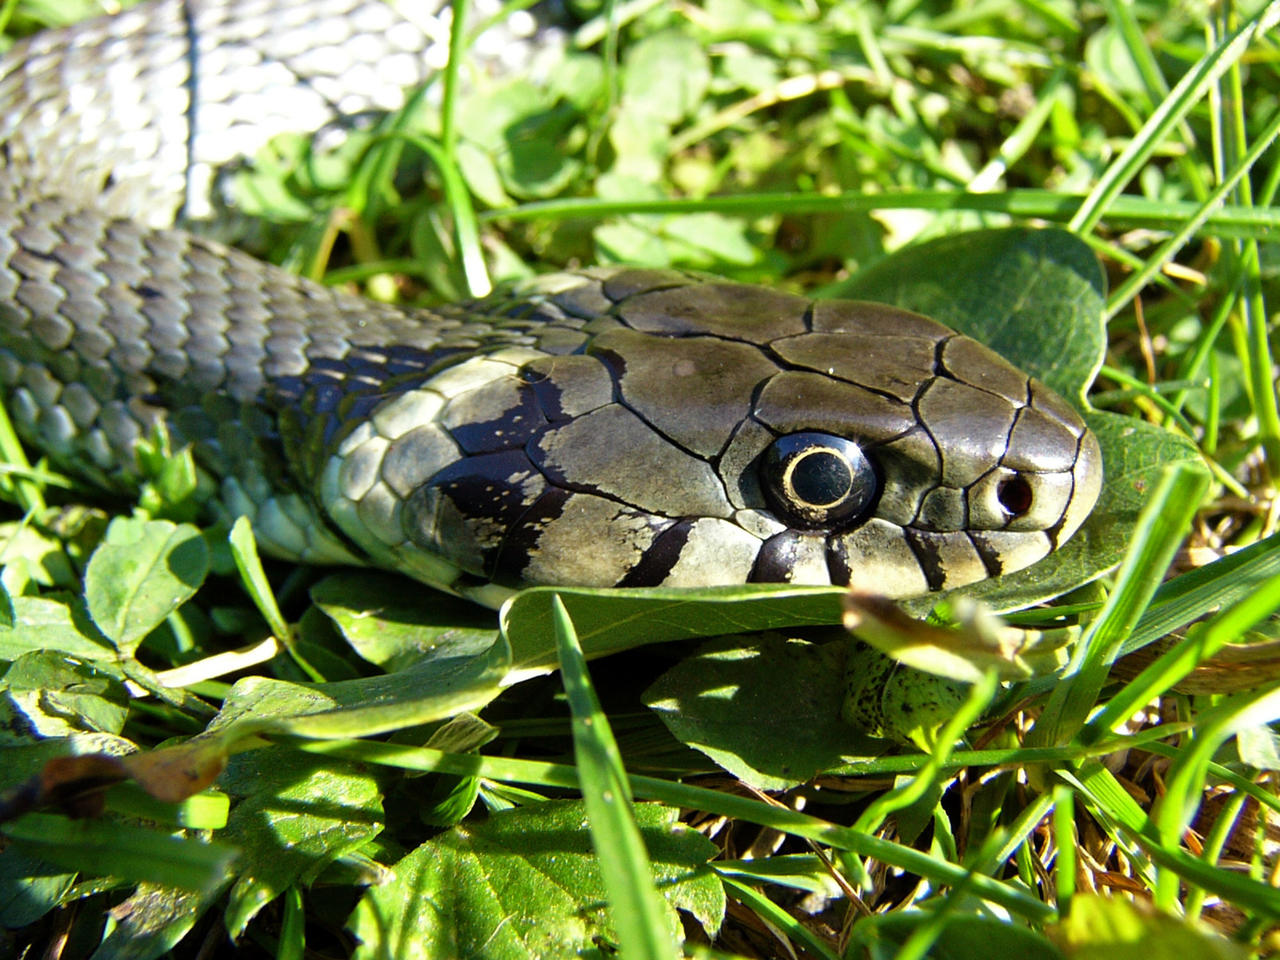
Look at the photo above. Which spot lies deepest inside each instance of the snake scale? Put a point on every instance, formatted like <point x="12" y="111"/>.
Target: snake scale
<point x="606" y="426"/>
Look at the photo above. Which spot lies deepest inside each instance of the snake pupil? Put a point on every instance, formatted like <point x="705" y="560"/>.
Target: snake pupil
<point x="820" y="478"/>
<point x="1015" y="496"/>
<point x="817" y="480"/>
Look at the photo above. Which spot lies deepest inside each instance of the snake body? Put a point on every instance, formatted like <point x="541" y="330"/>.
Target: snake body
<point x="607" y="426"/>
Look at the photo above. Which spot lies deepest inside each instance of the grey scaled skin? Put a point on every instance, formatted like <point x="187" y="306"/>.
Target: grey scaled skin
<point x="601" y="427"/>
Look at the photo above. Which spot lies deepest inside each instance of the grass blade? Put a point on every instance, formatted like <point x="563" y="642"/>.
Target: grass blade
<point x="638" y="911"/>
<point x="244" y="550"/>
<point x="1160" y="529"/>
<point x="939" y="872"/>
<point x="1189" y="91"/>
<point x="110" y="849"/>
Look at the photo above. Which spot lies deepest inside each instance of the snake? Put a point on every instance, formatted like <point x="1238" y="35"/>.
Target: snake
<point x="607" y="426"/>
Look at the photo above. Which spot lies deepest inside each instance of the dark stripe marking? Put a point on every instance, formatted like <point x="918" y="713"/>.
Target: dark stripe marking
<point x="928" y="556"/>
<point x="776" y="558"/>
<point x="657" y="562"/>
<point x="987" y="554"/>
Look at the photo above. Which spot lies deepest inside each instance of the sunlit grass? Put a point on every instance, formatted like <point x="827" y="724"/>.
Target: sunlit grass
<point x="795" y="145"/>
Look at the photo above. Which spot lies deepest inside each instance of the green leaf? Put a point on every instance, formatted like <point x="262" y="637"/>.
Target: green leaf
<point x="141" y="572"/>
<point x="8" y="616"/>
<point x="39" y="556"/>
<point x="110" y="849"/>
<point x="702" y="241"/>
<point x="29" y="888"/>
<point x="708" y="241"/>
<point x="481" y="175"/>
<point x="153" y="919"/>
<point x="296" y="815"/>
<point x="1108" y="57"/>
<point x="173" y="487"/>
<point x="203" y="811"/>
<point x="446" y="800"/>
<point x="1259" y="748"/>
<point x="436" y="687"/>
<point x="611" y="620"/>
<point x="960" y="937"/>
<point x="1111" y="803"/>
<point x="649" y="932"/>
<point x="528" y="138"/>
<point x="52" y="696"/>
<point x="1157" y="533"/>
<point x="1195" y="84"/>
<point x="1232" y="623"/>
<point x="665" y="76"/>
<point x="1187" y="776"/>
<point x="524" y="883"/>
<point x="724" y="701"/>
<point x="1036" y="297"/>
<point x="43" y="623"/>
<point x="536" y="164"/>
<point x="1226" y="581"/>
<point x="785" y="926"/>
<point x="640" y="143"/>
<point x="1109" y="928"/>
<point x="630" y="242"/>
<point x="393" y="628"/>
<point x="244" y="551"/>
<point x="293" y="932"/>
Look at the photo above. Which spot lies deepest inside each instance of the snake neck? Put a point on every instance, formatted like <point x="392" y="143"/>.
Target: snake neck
<point x="370" y="433"/>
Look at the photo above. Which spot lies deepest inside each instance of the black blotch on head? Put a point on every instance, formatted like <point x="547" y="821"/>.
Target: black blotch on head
<point x="657" y="562"/>
<point x="776" y="559"/>
<point x="926" y="547"/>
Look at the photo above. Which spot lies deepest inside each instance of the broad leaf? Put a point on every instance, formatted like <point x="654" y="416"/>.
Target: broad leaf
<point x="393" y="627"/>
<point x="297" y="814"/>
<point x="1106" y="928"/>
<point x="435" y="688"/>
<point x="609" y="621"/>
<point x="43" y="623"/>
<point x="48" y="695"/>
<point x="960" y="937"/>
<point x="126" y="851"/>
<point x="766" y="708"/>
<point x="141" y="572"/>
<point x="525" y="883"/>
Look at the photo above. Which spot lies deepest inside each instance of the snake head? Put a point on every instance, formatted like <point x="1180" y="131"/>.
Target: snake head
<point x="649" y="427"/>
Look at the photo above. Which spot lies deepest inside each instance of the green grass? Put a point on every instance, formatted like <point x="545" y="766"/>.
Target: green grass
<point x="711" y="800"/>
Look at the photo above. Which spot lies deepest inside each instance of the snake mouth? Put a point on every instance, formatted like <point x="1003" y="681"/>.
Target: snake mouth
<point x="893" y="561"/>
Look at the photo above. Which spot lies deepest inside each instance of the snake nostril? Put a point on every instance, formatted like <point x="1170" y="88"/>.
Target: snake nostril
<point x="1015" y="496"/>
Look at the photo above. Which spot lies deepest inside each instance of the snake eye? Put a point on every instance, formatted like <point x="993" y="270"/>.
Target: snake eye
<point x="818" y="480"/>
<point x="1015" y="496"/>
